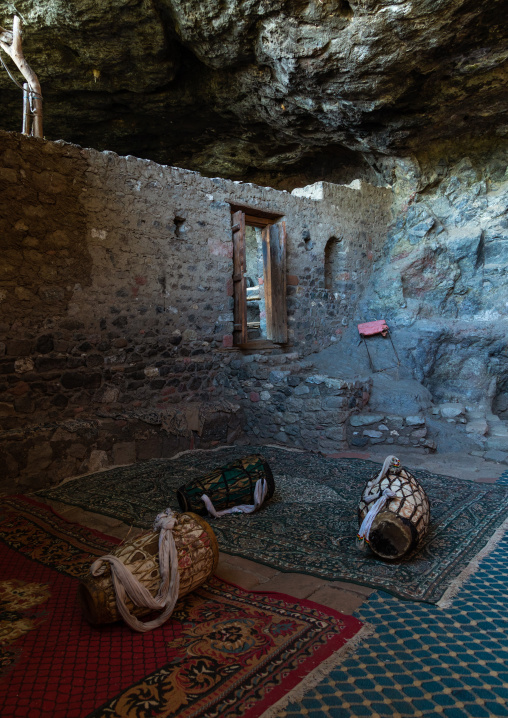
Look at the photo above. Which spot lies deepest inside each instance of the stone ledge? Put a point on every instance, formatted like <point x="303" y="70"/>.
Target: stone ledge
<point x="370" y="429"/>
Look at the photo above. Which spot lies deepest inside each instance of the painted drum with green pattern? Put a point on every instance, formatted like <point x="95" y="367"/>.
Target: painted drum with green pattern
<point x="227" y="486"/>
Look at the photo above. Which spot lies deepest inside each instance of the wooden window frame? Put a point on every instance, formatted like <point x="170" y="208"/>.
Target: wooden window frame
<point x="274" y="279"/>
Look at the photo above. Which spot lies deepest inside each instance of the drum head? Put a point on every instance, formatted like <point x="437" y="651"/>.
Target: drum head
<point x="391" y="536"/>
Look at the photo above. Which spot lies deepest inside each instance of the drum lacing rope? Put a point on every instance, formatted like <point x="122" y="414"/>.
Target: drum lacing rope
<point x="125" y="584"/>
<point x="380" y="498"/>
<point x="260" y="491"/>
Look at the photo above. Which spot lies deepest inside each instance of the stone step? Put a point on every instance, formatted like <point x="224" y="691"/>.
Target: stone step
<point x="499" y="443"/>
<point x="478" y="426"/>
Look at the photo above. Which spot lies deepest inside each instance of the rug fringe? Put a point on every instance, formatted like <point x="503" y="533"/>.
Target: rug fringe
<point x="451" y="592"/>
<point x="320" y="672"/>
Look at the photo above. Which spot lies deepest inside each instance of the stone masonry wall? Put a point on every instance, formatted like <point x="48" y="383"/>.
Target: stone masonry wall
<point x="116" y="311"/>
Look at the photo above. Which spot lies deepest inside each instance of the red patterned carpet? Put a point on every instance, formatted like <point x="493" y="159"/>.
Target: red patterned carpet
<point x="224" y="652"/>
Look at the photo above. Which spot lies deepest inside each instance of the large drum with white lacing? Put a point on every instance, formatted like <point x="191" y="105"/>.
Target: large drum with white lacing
<point x="402" y="516"/>
<point x="228" y="486"/>
<point x="198" y="556"/>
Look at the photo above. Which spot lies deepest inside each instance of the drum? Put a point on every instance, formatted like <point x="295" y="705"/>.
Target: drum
<point x="403" y="520"/>
<point x="227" y="486"/>
<point x="198" y="555"/>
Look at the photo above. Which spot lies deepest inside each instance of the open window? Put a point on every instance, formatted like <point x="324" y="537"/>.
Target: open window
<point x="259" y="279"/>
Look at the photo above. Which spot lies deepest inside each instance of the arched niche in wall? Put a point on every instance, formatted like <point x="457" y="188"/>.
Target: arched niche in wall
<point x="334" y="265"/>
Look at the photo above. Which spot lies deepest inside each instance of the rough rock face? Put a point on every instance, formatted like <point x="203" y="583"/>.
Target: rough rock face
<point x="441" y="282"/>
<point x="265" y="90"/>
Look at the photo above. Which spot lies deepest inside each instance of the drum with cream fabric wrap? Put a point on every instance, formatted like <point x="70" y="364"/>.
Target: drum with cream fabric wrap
<point x="198" y="555"/>
<point x="402" y="522"/>
<point x="228" y="486"/>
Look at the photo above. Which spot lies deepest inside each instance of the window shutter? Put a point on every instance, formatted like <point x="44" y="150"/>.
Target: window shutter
<point x="274" y="259"/>
<point x="239" y="284"/>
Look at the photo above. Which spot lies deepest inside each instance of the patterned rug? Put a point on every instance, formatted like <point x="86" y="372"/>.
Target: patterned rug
<point x="503" y="479"/>
<point x="310" y="524"/>
<point x="423" y="660"/>
<point x="224" y="652"/>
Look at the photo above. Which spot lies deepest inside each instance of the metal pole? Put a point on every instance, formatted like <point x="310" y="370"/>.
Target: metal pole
<point x="26" y="110"/>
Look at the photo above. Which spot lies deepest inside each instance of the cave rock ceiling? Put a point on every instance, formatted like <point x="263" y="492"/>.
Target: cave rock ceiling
<point x="251" y="89"/>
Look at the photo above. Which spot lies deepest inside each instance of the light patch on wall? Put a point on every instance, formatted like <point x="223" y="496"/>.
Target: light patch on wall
<point x="220" y="249"/>
<point x="151" y="371"/>
<point x="99" y="233"/>
<point x="21" y="366"/>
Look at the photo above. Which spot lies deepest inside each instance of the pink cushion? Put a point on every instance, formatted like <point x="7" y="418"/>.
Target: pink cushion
<point x="369" y="328"/>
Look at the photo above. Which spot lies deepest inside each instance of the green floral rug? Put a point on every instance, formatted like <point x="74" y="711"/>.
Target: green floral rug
<point x="310" y="524"/>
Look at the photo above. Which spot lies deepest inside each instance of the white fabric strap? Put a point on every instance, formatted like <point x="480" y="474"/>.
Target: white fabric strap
<point x="125" y="584"/>
<point x="379" y="497"/>
<point x="370" y="496"/>
<point x="364" y="531"/>
<point x="260" y="491"/>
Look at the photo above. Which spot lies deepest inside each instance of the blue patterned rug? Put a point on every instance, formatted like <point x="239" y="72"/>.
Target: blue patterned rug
<point x="503" y="479"/>
<point x="310" y="524"/>
<point x="423" y="660"/>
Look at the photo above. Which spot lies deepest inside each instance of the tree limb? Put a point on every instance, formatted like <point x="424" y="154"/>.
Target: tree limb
<point x="15" y="51"/>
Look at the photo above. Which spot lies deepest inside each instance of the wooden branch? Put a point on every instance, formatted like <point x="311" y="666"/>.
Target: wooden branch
<point x="15" y="51"/>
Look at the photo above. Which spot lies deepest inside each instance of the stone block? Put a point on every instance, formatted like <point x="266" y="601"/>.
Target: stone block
<point x="276" y="376"/>
<point x="395" y="420"/>
<point x="45" y="344"/>
<point x="309" y="433"/>
<point x="330" y="445"/>
<point x="496" y="455"/>
<point x="313" y="404"/>
<point x="365" y="419"/>
<point x="24" y="294"/>
<point x="72" y="380"/>
<point x="6" y="409"/>
<point x="77" y="451"/>
<point x="451" y="410"/>
<point x="98" y="460"/>
<point x="124" y="453"/>
<point x="373" y="434"/>
<point x="24" y="405"/>
<point x="359" y="441"/>
<point x="334" y="402"/>
<point x="415" y="420"/>
<point x="336" y="433"/>
<point x="295" y="404"/>
<point x="498" y="428"/>
<point x="8" y="175"/>
<point x="497" y="443"/>
<point x="265" y="395"/>
<point x="301" y="389"/>
<point x="419" y="433"/>
<point x="479" y="426"/>
<point x="151" y="372"/>
<point x="316" y="379"/>
<point x="331" y="416"/>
